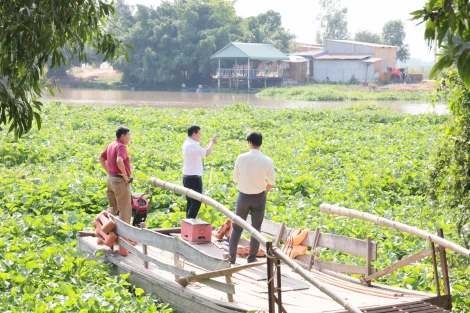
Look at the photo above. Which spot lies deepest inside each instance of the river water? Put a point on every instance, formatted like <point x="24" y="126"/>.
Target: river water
<point x="192" y="100"/>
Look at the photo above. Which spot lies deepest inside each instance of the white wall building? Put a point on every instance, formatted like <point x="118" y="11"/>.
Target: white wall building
<point x="344" y="60"/>
<point x="388" y="54"/>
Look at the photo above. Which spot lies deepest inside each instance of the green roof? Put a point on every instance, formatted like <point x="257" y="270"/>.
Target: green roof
<point x="254" y="51"/>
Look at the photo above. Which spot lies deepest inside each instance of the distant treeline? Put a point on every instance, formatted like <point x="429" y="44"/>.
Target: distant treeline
<point x="174" y="41"/>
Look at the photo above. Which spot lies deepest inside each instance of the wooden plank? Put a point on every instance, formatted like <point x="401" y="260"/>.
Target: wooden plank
<point x="399" y="264"/>
<point x="194" y="278"/>
<point x="341" y="268"/>
<point x="181" y="299"/>
<point x="143" y="236"/>
<point x="229" y="289"/>
<point x="193" y="255"/>
<point x="444" y="268"/>
<point x="147" y="258"/>
<point x="304" y="261"/>
<point x="86" y="234"/>
<point x="164" y="242"/>
<point x="228" y="278"/>
<point x="434" y="266"/>
<point x="345" y="244"/>
<point x="397" y="307"/>
<point x="176" y="230"/>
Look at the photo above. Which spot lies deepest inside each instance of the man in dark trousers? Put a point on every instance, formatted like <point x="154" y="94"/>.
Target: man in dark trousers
<point x="115" y="160"/>
<point x="254" y="175"/>
<point x="192" y="168"/>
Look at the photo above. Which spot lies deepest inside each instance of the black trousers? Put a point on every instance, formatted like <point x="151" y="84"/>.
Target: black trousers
<point x="254" y="204"/>
<point x="192" y="205"/>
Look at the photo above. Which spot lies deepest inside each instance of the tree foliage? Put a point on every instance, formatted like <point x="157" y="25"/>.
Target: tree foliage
<point x="367" y="36"/>
<point x="333" y="21"/>
<point x="451" y="19"/>
<point x="393" y="33"/>
<point x="173" y="43"/>
<point x="447" y="25"/>
<point x="267" y="28"/>
<point x="36" y="33"/>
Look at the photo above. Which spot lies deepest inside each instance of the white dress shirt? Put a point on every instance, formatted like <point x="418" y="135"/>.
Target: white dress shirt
<point x="252" y="169"/>
<point x="192" y="155"/>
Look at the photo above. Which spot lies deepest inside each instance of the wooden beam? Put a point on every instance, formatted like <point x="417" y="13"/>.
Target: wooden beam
<point x="175" y="230"/>
<point x="229" y="289"/>
<point x="399" y="264"/>
<point x="144" y="247"/>
<point x="228" y="279"/>
<point x="434" y="267"/>
<point x="336" y="267"/>
<point x="313" y="247"/>
<point x="164" y="242"/>
<point x="147" y="258"/>
<point x="327" y="208"/>
<point x="84" y="233"/>
<point x="194" y="278"/>
<point x="279" y="235"/>
<point x="445" y="270"/>
<point x="345" y="244"/>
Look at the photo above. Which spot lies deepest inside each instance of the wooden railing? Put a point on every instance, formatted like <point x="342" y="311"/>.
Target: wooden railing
<point x="215" y="267"/>
<point x="230" y="72"/>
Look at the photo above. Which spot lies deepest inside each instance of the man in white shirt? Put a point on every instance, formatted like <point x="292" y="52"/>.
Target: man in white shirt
<point x="192" y="168"/>
<point x="254" y="175"/>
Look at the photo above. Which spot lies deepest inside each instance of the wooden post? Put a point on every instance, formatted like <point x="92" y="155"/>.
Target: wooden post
<point x="236" y="75"/>
<point x="248" y="75"/>
<point x="264" y="74"/>
<point x="434" y="267"/>
<point x="279" y="287"/>
<point x="218" y="78"/>
<point x="369" y="259"/>
<point x="176" y="258"/>
<point x="282" y="74"/>
<point x="144" y="247"/>
<point x="445" y="270"/>
<point x="269" y="255"/>
<point x="313" y="247"/>
<point x="228" y="278"/>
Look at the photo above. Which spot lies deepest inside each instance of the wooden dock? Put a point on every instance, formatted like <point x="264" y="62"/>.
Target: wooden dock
<point x="251" y="292"/>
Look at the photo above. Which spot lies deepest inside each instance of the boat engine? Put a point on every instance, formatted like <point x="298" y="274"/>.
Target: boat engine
<point x="140" y="208"/>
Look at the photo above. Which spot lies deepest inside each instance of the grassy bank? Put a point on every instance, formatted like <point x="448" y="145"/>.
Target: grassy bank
<point x="363" y="157"/>
<point x="321" y="92"/>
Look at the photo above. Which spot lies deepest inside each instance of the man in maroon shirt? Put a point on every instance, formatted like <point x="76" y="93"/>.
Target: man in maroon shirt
<point x="115" y="160"/>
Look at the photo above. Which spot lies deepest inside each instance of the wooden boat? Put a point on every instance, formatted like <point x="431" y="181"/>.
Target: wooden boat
<point x="197" y="277"/>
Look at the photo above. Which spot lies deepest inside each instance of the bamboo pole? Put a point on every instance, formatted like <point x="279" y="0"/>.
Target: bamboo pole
<point x="155" y="182"/>
<point x="328" y="208"/>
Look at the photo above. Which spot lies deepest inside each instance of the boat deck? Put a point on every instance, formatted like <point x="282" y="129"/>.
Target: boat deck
<point x="251" y="292"/>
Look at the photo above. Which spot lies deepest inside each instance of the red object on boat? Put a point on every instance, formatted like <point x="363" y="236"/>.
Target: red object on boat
<point x="194" y="230"/>
<point x="395" y="71"/>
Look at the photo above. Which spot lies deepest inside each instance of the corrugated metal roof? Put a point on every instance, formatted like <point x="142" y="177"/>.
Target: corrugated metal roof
<point x="362" y="43"/>
<point x="372" y="60"/>
<point x="254" y="51"/>
<point x="311" y="54"/>
<point x="296" y="59"/>
<point x="343" y="57"/>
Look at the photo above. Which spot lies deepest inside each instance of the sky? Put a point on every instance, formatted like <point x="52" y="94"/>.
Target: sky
<point x="299" y="17"/>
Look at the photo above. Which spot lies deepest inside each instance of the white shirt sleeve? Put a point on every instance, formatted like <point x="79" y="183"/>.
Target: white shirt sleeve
<point x="271" y="175"/>
<point x="196" y="150"/>
<point x="236" y="172"/>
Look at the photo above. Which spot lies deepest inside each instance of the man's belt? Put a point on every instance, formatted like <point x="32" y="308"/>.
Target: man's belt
<point x="116" y="175"/>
